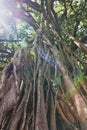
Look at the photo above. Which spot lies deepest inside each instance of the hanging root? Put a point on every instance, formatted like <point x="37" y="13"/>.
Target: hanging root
<point x="29" y="93"/>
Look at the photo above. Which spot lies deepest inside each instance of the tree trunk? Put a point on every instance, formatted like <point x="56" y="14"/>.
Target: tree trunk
<point x="29" y="101"/>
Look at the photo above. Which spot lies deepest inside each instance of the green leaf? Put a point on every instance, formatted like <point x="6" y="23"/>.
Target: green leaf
<point x="23" y="43"/>
<point x="57" y="81"/>
<point x="32" y="52"/>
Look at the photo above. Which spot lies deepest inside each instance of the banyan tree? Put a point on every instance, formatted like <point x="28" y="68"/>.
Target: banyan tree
<point x="44" y="87"/>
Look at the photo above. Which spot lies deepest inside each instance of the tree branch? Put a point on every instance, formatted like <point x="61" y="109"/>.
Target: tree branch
<point x="6" y="40"/>
<point x="76" y="42"/>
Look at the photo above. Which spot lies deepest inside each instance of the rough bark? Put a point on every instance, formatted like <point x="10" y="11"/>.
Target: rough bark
<point x="28" y="98"/>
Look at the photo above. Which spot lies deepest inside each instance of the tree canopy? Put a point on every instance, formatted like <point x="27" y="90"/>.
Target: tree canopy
<point x="64" y="23"/>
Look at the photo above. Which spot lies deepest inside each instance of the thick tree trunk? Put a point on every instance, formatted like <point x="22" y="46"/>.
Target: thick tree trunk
<point x="29" y="101"/>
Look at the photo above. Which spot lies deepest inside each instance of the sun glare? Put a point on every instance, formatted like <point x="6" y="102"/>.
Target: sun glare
<point x="3" y="10"/>
<point x="4" y="13"/>
<point x="3" y="17"/>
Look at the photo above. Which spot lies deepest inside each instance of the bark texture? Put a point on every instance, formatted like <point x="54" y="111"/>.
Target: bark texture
<point x="30" y="101"/>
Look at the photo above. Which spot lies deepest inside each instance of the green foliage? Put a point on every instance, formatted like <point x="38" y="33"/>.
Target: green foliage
<point x="24" y="29"/>
<point x="80" y="77"/>
<point x="59" y="8"/>
<point x="57" y="81"/>
<point x="71" y="15"/>
<point x="32" y="52"/>
<point x="23" y="43"/>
